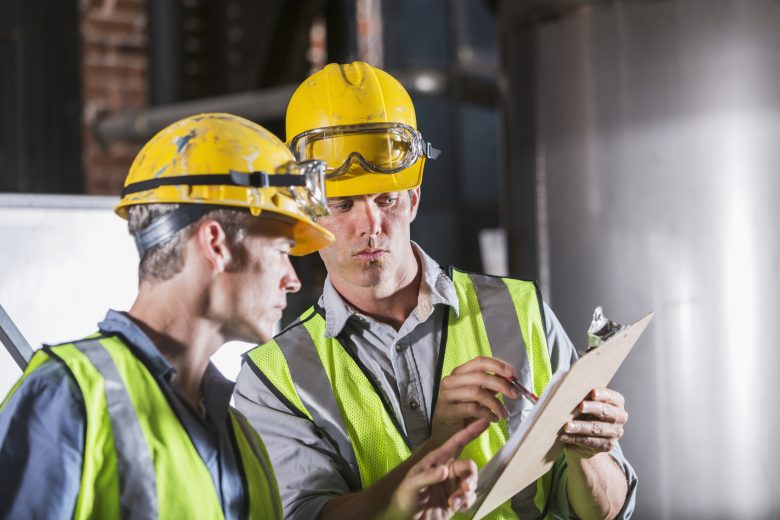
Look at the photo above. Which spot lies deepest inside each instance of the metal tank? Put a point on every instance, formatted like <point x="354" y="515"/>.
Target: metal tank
<point x="643" y="172"/>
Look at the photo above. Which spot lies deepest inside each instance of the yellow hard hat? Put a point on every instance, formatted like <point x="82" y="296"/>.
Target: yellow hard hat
<point x="361" y="122"/>
<point x="209" y="161"/>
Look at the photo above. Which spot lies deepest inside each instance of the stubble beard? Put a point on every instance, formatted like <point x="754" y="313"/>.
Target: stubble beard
<point x="371" y="273"/>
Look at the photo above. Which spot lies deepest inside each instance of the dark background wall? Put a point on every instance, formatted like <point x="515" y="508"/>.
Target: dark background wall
<point x="40" y="102"/>
<point x="460" y="190"/>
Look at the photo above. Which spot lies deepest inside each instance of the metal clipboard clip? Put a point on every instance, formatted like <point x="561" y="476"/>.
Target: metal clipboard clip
<point x="601" y="329"/>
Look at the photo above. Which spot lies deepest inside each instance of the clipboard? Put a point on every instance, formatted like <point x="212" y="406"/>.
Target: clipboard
<point x="532" y="450"/>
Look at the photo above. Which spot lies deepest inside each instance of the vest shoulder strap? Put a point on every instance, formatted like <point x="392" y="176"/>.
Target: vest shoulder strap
<point x="134" y="464"/>
<point x="268" y="363"/>
<point x="512" y="311"/>
<point x="338" y="394"/>
<point x="128" y="413"/>
<point x="504" y="318"/>
<point x="263" y="491"/>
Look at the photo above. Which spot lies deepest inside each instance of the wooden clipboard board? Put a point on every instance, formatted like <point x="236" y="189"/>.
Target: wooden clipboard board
<point x="539" y="447"/>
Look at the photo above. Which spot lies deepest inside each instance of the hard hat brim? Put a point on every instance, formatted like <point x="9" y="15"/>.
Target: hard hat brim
<point x="310" y="237"/>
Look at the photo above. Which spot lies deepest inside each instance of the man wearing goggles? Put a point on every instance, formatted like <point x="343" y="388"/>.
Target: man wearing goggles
<point x="134" y="421"/>
<point x="398" y="353"/>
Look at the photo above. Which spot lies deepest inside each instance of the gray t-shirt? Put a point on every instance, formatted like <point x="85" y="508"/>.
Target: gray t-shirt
<point x="310" y="470"/>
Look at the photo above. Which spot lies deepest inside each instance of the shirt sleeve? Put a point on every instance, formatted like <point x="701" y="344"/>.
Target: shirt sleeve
<point x="307" y="466"/>
<point x="562" y="355"/>
<point x="42" y="429"/>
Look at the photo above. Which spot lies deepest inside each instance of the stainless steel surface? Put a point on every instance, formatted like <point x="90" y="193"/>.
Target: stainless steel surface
<point x="656" y="135"/>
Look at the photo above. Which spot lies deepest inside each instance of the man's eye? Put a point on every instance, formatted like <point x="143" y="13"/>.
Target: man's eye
<point x="340" y="206"/>
<point x="387" y="201"/>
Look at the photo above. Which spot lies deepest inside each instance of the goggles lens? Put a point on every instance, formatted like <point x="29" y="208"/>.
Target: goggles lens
<point x="310" y="197"/>
<point x="378" y="148"/>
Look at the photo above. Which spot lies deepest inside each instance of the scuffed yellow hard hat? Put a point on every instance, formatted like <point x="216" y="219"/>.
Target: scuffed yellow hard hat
<point x="225" y="160"/>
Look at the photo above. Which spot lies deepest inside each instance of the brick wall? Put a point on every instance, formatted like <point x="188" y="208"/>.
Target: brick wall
<point x="114" y="70"/>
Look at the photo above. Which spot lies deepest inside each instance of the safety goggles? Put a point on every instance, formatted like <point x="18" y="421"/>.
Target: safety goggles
<point x="304" y="180"/>
<point x="376" y="147"/>
<point x="305" y="183"/>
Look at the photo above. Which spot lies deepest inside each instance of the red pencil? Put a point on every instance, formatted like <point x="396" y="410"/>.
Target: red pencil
<point x="523" y="390"/>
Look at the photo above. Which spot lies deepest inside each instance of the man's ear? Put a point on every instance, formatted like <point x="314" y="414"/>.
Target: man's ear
<point x="211" y="242"/>
<point x="414" y="196"/>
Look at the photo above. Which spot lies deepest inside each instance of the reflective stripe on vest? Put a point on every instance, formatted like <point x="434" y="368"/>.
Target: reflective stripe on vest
<point x="139" y="461"/>
<point x="336" y="399"/>
<point x="328" y="384"/>
<point x="135" y="469"/>
<point x="261" y="486"/>
<point x="504" y="315"/>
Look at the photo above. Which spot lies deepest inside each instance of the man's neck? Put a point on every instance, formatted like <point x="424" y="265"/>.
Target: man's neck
<point x="393" y="300"/>
<point x="186" y="340"/>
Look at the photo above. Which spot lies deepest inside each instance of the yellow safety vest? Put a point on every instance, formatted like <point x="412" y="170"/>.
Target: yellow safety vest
<point x="139" y="461"/>
<point x="301" y="365"/>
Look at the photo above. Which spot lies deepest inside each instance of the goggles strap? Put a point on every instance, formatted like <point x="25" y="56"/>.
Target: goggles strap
<point x="431" y="152"/>
<point x="245" y="180"/>
<point x="163" y="228"/>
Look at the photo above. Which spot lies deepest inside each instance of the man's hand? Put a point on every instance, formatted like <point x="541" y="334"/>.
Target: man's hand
<point x="469" y="393"/>
<point x="439" y="486"/>
<point x="599" y="426"/>
<point x="597" y="486"/>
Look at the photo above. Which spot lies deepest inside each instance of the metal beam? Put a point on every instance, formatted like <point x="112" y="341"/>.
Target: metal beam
<point x="270" y="104"/>
<point x="14" y="342"/>
<point x="261" y="105"/>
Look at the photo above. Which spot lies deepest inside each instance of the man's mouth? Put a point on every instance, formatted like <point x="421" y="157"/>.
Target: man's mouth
<point x="370" y="254"/>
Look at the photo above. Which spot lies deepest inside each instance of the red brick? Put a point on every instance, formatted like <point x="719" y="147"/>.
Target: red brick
<point x="107" y="27"/>
<point x="114" y="79"/>
<point x="115" y="58"/>
<point x="133" y="44"/>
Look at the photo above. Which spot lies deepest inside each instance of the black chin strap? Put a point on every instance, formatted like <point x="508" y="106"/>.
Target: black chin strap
<point x="163" y="228"/>
<point x="233" y="178"/>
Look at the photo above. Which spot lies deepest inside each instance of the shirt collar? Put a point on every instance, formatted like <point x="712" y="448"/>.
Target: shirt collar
<point x="120" y="323"/>
<point x="435" y="286"/>
<point x="216" y="388"/>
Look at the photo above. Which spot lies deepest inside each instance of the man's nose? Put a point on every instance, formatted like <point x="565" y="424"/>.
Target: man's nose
<point x="371" y="219"/>
<point x="290" y="282"/>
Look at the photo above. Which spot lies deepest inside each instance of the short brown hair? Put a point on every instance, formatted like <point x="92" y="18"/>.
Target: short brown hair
<point x="166" y="260"/>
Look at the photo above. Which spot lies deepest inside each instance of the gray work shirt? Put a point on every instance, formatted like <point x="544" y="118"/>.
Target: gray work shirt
<point x="310" y="470"/>
<point x="42" y="429"/>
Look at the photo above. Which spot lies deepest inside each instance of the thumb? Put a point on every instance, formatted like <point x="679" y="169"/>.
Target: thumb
<point x="422" y="478"/>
